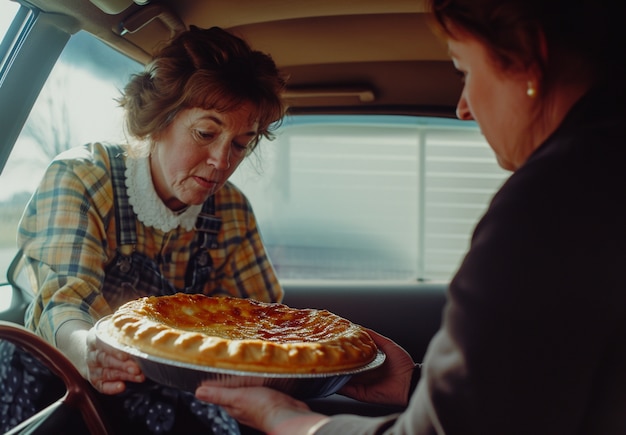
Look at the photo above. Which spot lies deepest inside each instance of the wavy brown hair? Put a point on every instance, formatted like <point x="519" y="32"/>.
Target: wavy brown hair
<point x="205" y="68"/>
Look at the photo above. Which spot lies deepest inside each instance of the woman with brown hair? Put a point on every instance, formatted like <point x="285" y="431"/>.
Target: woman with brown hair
<point x="111" y="223"/>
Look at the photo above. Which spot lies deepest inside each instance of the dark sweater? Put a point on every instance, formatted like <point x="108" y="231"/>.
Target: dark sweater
<point x="533" y="339"/>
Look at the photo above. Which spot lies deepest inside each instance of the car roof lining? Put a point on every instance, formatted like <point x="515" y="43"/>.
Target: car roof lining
<point x="319" y="44"/>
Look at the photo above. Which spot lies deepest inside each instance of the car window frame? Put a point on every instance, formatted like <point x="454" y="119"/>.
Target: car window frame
<point x="43" y="36"/>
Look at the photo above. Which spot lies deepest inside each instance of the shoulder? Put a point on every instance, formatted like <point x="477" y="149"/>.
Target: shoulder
<point x="88" y="166"/>
<point x="89" y="156"/>
<point x="78" y="179"/>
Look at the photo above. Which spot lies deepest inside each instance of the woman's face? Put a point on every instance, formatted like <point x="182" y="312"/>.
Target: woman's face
<point x="496" y="99"/>
<point x="195" y="155"/>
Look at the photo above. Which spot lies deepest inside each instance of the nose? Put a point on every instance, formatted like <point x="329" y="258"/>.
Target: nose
<point x="462" y="109"/>
<point x="219" y="155"/>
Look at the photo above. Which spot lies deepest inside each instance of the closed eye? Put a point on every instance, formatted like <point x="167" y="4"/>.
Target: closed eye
<point x="204" y="134"/>
<point x="240" y="146"/>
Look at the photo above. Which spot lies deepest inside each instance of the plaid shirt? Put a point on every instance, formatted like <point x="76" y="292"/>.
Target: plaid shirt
<point x="68" y="233"/>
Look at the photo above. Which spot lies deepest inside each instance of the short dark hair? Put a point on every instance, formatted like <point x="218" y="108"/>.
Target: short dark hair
<point x="584" y="33"/>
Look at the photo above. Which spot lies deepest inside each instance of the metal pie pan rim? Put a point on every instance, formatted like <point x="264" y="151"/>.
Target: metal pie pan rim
<point x="101" y="334"/>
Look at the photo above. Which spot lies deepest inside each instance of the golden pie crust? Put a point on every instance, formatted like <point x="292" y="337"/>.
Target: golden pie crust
<point x="242" y="334"/>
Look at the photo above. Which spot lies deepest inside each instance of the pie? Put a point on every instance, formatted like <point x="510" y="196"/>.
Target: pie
<point x="241" y="334"/>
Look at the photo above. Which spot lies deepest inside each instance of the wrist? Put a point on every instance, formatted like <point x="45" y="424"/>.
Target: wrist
<point x="300" y="424"/>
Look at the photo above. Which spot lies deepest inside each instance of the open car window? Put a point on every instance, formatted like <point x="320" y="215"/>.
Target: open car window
<point x="77" y="105"/>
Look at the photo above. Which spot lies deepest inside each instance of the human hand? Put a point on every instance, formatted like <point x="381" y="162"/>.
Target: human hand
<point x="262" y="408"/>
<point x="389" y="384"/>
<point x="109" y="368"/>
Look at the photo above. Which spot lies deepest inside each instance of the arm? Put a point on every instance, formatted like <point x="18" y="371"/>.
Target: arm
<point x="63" y="234"/>
<point x="264" y="409"/>
<point x="106" y="369"/>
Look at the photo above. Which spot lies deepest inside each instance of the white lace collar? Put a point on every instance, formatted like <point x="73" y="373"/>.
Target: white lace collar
<point x="147" y="205"/>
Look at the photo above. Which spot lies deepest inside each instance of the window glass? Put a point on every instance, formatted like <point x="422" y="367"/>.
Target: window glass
<point x="7" y="13"/>
<point x="370" y="197"/>
<point x="76" y="105"/>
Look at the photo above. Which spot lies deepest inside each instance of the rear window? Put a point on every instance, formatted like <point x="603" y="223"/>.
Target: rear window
<point x="370" y="197"/>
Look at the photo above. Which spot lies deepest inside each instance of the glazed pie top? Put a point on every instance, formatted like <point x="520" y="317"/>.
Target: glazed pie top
<point x="241" y="334"/>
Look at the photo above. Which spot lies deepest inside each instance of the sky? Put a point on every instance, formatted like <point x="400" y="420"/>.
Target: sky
<point x="93" y="115"/>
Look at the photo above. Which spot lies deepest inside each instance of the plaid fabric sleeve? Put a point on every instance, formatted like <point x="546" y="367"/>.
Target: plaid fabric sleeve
<point x="63" y="234"/>
<point x="246" y="271"/>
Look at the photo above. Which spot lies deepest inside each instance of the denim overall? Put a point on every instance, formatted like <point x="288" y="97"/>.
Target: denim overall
<point x="142" y="408"/>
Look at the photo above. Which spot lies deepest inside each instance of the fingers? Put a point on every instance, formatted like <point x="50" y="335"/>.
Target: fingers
<point x="381" y="341"/>
<point x="110" y="381"/>
<point x="95" y="346"/>
<point x="231" y="400"/>
<point x="221" y="396"/>
<point x="108" y="372"/>
<point x="234" y="400"/>
<point x="378" y="338"/>
<point x="109" y="387"/>
<point x="248" y="403"/>
<point x="102" y="358"/>
<point x="262" y="408"/>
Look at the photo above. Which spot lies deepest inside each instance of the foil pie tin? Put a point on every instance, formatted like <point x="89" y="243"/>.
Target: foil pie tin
<point x="188" y="377"/>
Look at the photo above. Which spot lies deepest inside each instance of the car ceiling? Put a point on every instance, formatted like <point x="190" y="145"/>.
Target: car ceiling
<point x="352" y="56"/>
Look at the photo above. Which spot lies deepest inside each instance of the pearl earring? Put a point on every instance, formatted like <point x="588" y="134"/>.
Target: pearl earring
<point x="531" y="91"/>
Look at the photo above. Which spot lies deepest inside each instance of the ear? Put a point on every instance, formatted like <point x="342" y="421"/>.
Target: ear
<point x="535" y="71"/>
<point x="154" y="137"/>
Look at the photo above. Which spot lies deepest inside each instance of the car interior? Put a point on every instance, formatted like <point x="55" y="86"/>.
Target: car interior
<point x="365" y="200"/>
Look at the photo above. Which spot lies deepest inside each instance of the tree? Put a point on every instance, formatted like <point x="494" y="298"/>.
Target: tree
<point x="49" y="124"/>
<point x="52" y="124"/>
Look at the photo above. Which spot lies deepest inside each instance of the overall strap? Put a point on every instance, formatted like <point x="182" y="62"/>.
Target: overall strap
<point x="208" y="225"/>
<point x="125" y="219"/>
<point x="207" y="228"/>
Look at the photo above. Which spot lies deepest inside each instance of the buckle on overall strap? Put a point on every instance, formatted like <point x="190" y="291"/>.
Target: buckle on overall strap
<point x="208" y="226"/>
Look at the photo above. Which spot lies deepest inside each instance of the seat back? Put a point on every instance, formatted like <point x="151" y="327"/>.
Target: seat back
<point x="22" y="293"/>
<point x="80" y="395"/>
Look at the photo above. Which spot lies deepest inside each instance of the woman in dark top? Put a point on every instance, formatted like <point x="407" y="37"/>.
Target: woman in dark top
<point x="533" y="339"/>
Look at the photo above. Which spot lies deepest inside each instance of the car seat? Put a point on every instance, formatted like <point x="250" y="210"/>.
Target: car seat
<point x="80" y="397"/>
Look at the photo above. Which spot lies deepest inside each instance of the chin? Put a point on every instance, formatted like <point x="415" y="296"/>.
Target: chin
<point x="507" y="166"/>
<point x="199" y="199"/>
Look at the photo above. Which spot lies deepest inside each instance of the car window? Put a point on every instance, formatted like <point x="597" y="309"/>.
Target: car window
<point x="77" y="105"/>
